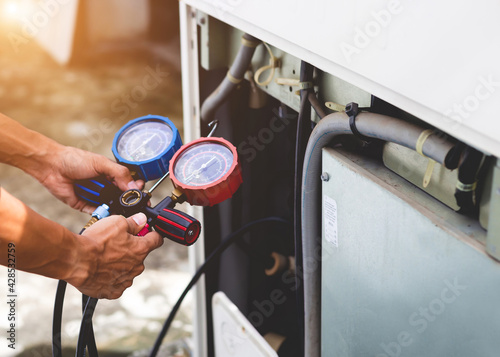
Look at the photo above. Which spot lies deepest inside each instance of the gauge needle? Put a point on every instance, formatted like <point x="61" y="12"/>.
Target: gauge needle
<point x="207" y="163"/>
<point x="197" y="172"/>
<point x="143" y="144"/>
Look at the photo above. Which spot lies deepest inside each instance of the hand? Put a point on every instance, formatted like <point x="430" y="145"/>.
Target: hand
<point x="70" y="164"/>
<point x="114" y="256"/>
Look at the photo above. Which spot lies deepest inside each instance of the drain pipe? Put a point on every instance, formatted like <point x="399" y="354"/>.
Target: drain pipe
<point x="370" y="125"/>
<point x="233" y="78"/>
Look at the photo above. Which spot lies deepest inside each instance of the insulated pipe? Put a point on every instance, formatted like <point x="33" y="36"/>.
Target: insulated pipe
<point x="317" y="105"/>
<point x="372" y="125"/>
<point x="234" y="76"/>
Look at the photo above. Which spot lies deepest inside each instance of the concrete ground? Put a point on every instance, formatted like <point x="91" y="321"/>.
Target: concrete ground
<point x="74" y="105"/>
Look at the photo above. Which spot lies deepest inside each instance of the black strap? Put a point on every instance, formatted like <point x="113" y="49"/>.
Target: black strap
<point x="352" y="110"/>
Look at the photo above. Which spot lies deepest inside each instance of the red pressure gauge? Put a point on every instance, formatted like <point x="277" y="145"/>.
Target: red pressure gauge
<point x="207" y="170"/>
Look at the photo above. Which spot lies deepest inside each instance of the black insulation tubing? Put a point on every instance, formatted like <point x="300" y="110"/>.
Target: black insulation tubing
<point x="467" y="175"/>
<point x="230" y="239"/>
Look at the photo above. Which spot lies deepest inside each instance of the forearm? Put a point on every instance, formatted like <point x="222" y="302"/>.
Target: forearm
<point x="26" y="149"/>
<point x="42" y="246"/>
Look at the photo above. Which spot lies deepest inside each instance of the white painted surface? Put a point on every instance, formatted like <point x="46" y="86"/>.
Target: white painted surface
<point x="53" y="23"/>
<point x="234" y="335"/>
<point x="191" y="109"/>
<point x="436" y="60"/>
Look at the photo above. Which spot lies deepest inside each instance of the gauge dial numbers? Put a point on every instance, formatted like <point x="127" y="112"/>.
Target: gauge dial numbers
<point x="206" y="170"/>
<point x="145" y="145"/>
<point x="144" y="141"/>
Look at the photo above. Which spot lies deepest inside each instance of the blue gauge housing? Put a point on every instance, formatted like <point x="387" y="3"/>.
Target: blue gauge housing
<point x="137" y="134"/>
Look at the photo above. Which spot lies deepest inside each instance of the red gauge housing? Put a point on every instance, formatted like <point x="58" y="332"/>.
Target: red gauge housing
<point x="214" y="192"/>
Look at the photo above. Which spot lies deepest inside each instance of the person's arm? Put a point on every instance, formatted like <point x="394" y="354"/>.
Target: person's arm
<point x="57" y="166"/>
<point x="101" y="263"/>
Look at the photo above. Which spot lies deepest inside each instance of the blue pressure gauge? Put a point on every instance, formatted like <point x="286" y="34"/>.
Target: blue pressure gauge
<point x="145" y="145"/>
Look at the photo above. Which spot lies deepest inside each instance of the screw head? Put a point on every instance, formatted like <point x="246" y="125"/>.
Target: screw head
<point x="325" y="177"/>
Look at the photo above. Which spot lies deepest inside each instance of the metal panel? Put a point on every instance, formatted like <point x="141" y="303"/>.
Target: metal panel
<point x="494" y="213"/>
<point x="436" y="60"/>
<point x="220" y="43"/>
<point x="412" y="166"/>
<point x="409" y="277"/>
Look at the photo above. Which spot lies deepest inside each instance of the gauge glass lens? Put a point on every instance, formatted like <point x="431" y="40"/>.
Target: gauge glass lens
<point x="203" y="164"/>
<point x="144" y="141"/>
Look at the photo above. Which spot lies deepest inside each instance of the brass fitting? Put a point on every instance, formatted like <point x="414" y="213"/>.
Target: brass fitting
<point x="91" y="222"/>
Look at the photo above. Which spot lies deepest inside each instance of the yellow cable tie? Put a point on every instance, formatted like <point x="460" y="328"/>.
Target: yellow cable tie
<point x="335" y="106"/>
<point x="422" y="139"/>
<point x="232" y="78"/>
<point x="273" y="63"/>
<point x="419" y="148"/>
<point x="249" y="43"/>
<point x="287" y="82"/>
<point x="466" y="187"/>
<point x="306" y="85"/>
<point x="428" y="172"/>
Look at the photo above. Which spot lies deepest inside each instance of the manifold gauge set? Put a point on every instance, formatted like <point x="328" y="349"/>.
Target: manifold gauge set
<point x="204" y="172"/>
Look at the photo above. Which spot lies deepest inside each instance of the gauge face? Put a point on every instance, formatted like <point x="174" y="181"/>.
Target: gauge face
<point x="144" y="140"/>
<point x="203" y="164"/>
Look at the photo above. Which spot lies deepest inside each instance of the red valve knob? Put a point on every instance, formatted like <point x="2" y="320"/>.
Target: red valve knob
<point x="177" y="226"/>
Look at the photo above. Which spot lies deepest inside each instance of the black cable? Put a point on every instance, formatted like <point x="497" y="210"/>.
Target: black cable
<point x="256" y="255"/>
<point x="303" y="133"/>
<point x="201" y="270"/>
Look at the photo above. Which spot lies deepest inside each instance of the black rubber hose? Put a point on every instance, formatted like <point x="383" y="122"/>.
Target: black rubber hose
<point x="303" y="133"/>
<point x="91" y="343"/>
<point x="85" y="327"/>
<point x="201" y="270"/>
<point x="57" y="319"/>
<point x="57" y="316"/>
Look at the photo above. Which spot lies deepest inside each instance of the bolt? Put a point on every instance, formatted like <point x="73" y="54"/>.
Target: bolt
<point x="203" y="21"/>
<point x="325" y="177"/>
